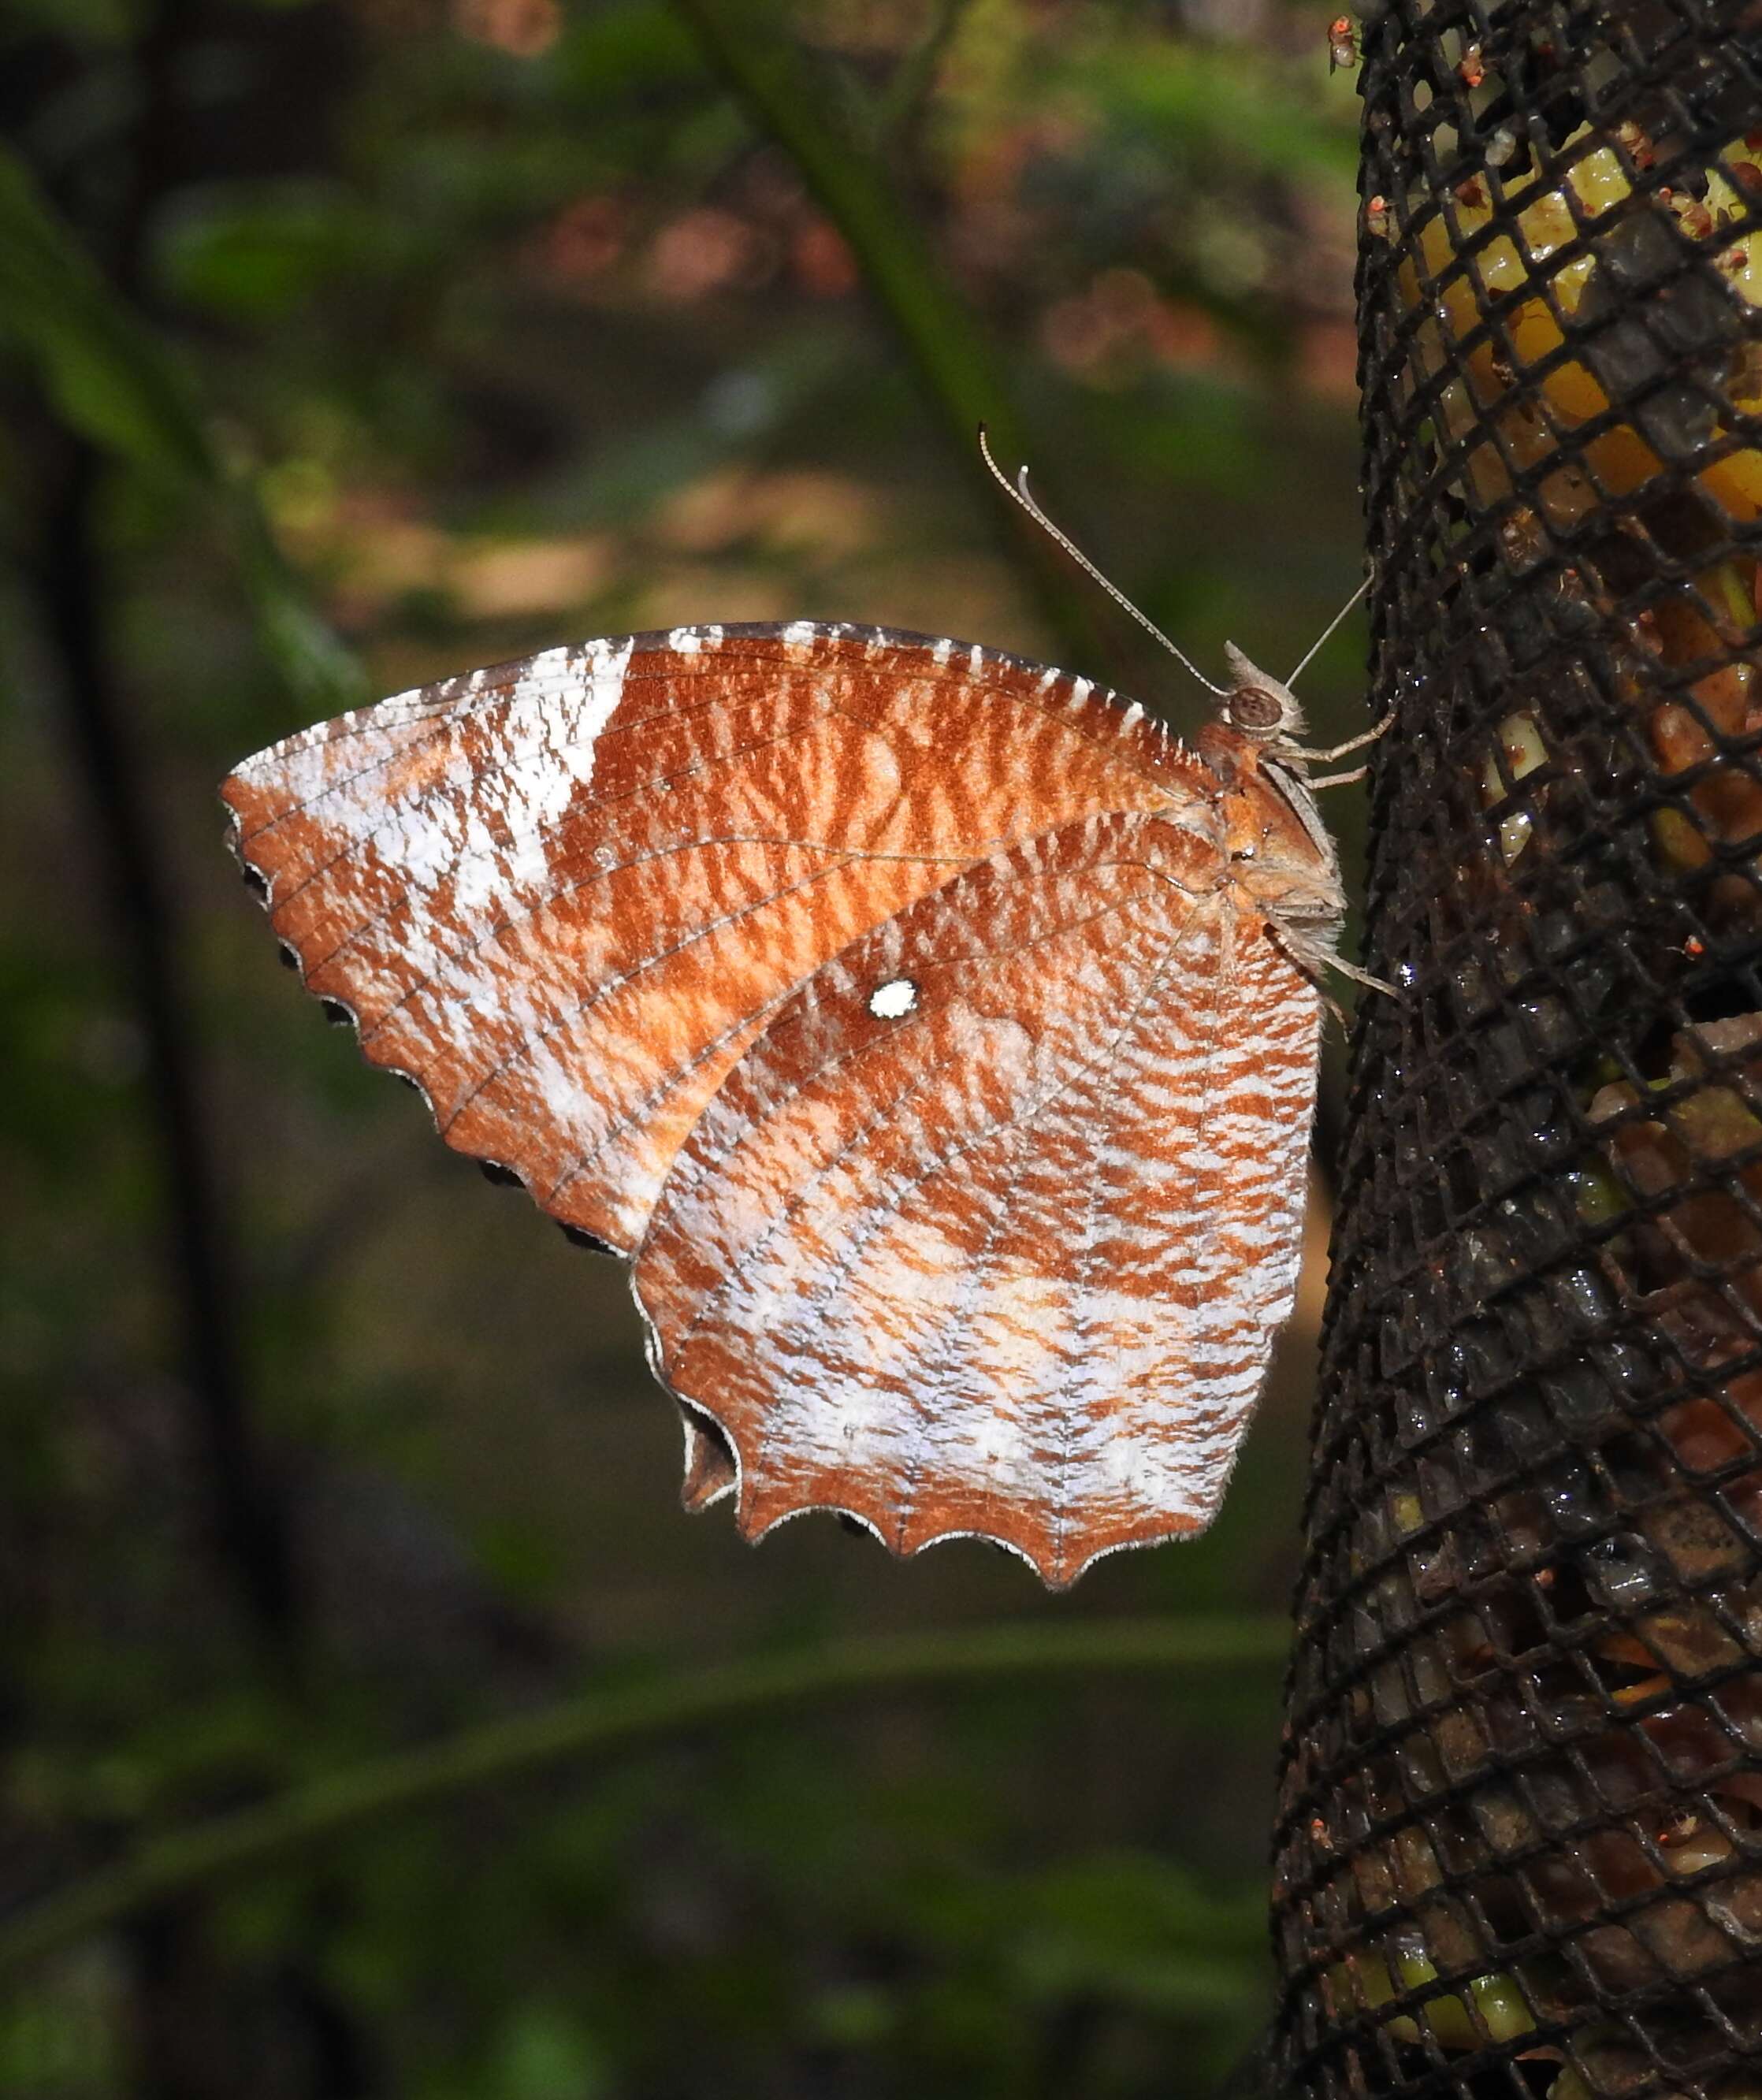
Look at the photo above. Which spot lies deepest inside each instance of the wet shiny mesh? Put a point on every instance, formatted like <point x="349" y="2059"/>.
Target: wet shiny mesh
<point x="1519" y="1844"/>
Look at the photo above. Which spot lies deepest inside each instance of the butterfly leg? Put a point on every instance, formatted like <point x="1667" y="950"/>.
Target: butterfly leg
<point x="1364" y="978"/>
<point x="1315" y="959"/>
<point x="1341" y="1019"/>
<point x="1343" y="750"/>
<point x="1338" y="779"/>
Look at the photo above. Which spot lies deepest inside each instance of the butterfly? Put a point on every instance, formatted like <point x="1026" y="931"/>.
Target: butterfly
<point x="932" y="1033"/>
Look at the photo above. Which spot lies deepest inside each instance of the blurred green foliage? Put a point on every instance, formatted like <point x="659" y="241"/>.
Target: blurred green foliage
<point x="409" y="334"/>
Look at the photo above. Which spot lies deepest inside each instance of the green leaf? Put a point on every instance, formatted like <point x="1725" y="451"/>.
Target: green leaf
<point x="112" y="381"/>
<point x="255" y="253"/>
<point x="1227" y="101"/>
<point x="107" y="379"/>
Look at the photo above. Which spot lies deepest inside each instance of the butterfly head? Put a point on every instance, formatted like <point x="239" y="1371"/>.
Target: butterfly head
<point x="1262" y="709"/>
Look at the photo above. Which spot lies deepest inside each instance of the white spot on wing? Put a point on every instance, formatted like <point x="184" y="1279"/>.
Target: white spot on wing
<point x="894" y="1000"/>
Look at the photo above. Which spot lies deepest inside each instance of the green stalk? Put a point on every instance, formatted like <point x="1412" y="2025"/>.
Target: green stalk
<point x="955" y="362"/>
<point x="302" y="1822"/>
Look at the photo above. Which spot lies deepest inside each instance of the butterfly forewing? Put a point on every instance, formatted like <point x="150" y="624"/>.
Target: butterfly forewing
<point x="910" y="1012"/>
<point x="565" y="895"/>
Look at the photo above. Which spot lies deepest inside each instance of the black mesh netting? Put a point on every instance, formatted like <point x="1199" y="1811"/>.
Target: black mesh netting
<point x="1520" y="1846"/>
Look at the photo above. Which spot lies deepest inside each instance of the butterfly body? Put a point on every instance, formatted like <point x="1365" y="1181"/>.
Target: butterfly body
<point x="934" y="1033"/>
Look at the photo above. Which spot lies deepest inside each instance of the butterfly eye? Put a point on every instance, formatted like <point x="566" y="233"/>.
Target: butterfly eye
<point x="894" y="1000"/>
<point x="1254" y="710"/>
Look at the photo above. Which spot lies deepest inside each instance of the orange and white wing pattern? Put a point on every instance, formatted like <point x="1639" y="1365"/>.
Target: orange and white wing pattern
<point x="565" y="895"/>
<point x="913" y="1015"/>
<point x="990" y="1231"/>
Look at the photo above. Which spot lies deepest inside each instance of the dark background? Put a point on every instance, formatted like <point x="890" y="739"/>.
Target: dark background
<point x="376" y="339"/>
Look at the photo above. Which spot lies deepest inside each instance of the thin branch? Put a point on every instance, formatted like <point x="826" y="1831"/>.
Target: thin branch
<point x="247" y="1514"/>
<point x="117" y="391"/>
<point x="300" y="1824"/>
<point x="908" y="94"/>
<point x="954" y="360"/>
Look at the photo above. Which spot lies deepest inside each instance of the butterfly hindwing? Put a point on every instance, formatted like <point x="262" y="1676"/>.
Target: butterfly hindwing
<point x="989" y="1231"/>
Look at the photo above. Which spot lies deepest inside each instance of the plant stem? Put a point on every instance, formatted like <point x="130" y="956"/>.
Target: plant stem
<point x="909" y="93"/>
<point x="300" y="1823"/>
<point x="246" y="1511"/>
<point x="955" y="363"/>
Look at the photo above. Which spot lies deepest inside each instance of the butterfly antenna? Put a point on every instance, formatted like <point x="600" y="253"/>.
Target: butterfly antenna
<point x="1309" y="654"/>
<point x="1017" y="492"/>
